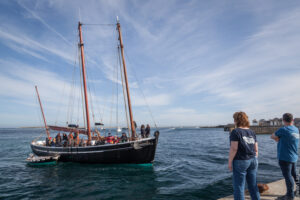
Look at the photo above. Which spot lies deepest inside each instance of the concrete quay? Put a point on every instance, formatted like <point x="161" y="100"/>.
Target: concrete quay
<point x="276" y="189"/>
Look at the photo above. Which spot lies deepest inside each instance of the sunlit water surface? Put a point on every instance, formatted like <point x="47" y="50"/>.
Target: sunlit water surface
<point x="189" y="164"/>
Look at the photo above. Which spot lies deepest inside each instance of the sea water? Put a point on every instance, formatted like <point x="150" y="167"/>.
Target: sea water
<point x="189" y="164"/>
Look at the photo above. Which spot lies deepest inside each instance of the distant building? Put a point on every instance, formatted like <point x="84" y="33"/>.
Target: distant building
<point x="263" y="122"/>
<point x="254" y="122"/>
<point x="297" y="122"/>
<point x="272" y="122"/>
<point x="277" y="122"/>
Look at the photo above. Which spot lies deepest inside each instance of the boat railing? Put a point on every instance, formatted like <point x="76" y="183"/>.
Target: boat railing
<point x="36" y="139"/>
<point x="93" y="142"/>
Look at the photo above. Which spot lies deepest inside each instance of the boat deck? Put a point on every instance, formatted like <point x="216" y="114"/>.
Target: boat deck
<point x="276" y="189"/>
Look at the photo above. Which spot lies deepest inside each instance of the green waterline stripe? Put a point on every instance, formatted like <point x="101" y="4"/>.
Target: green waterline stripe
<point x="43" y="163"/>
<point x="142" y="165"/>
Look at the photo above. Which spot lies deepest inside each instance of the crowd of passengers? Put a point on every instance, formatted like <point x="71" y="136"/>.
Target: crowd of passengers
<point x="74" y="140"/>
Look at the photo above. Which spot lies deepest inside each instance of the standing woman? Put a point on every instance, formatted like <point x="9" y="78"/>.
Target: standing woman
<point x="243" y="157"/>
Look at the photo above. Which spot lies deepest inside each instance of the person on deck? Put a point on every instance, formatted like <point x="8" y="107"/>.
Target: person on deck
<point x="124" y="138"/>
<point x="143" y="132"/>
<point x="147" y="130"/>
<point x="70" y="140"/>
<point x="65" y="137"/>
<point x="110" y="139"/>
<point x="287" y="153"/>
<point x="47" y="141"/>
<point x="53" y="143"/>
<point x="81" y="142"/>
<point x="65" y="140"/>
<point x="243" y="157"/>
<point x="135" y="125"/>
<point x="116" y="140"/>
<point x="84" y="142"/>
<point x="76" y="140"/>
<point x="58" y="139"/>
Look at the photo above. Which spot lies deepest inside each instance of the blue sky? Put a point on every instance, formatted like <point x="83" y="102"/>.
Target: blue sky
<point x="197" y="62"/>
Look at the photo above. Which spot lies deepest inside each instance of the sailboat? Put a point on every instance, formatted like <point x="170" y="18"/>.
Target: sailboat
<point x="134" y="150"/>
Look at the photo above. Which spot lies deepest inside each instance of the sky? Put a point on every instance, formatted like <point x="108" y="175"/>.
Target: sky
<point x="190" y="63"/>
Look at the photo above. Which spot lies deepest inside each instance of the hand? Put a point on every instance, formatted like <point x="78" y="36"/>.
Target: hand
<point x="230" y="166"/>
<point x="274" y="137"/>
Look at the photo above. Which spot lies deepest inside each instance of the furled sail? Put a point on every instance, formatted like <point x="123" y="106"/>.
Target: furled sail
<point x="68" y="129"/>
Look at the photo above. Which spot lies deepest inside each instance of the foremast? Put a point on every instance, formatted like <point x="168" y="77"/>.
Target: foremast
<point x="84" y="82"/>
<point x="133" y="135"/>
<point x="45" y="123"/>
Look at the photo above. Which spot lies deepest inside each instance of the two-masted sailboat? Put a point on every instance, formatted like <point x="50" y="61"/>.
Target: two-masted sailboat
<point x="134" y="150"/>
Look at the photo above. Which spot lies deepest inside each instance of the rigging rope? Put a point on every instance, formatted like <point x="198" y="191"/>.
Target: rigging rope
<point x="124" y="92"/>
<point x="64" y="87"/>
<point x="90" y="95"/>
<point x="117" y="105"/>
<point x="80" y="91"/>
<point x="113" y="99"/>
<point x="98" y="24"/>
<point x="97" y="104"/>
<point x="74" y="95"/>
<point x="71" y="99"/>
<point x="93" y="99"/>
<point x="139" y="86"/>
<point x="60" y="104"/>
<point x="78" y="108"/>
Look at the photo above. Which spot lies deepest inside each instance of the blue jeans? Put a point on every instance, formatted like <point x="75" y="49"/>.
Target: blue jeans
<point x="245" y="170"/>
<point x="289" y="173"/>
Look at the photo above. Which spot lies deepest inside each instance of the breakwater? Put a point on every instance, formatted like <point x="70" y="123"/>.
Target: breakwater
<point x="257" y="129"/>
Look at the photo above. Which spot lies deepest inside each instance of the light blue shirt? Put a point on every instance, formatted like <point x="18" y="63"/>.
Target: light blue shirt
<point x="287" y="147"/>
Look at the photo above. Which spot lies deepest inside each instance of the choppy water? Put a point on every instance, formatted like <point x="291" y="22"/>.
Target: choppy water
<point x="189" y="164"/>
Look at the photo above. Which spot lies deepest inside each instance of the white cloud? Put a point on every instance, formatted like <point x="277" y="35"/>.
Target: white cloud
<point x="152" y="100"/>
<point x="36" y="16"/>
<point x="262" y="77"/>
<point x="34" y="48"/>
<point x="180" y="116"/>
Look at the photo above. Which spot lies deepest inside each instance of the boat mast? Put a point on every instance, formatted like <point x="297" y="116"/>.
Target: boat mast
<point x="84" y="83"/>
<point x="45" y="123"/>
<point x="126" y="81"/>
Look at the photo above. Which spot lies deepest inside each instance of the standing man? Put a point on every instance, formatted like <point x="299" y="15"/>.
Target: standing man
<point x="287" y="153"/>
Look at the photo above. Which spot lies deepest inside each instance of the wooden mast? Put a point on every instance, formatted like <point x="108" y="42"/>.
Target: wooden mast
<point x="84" y="83"/>
<point x="126" y="82"/>
<point x="45" y="123"/>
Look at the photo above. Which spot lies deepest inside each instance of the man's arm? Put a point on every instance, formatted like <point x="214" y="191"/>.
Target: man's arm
<point x="256" y="149"/>
<point x="274" y="137"/>
<point x="232" y="153"/>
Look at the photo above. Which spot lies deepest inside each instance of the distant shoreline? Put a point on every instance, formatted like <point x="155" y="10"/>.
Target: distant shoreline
<point x="31" y="127"/>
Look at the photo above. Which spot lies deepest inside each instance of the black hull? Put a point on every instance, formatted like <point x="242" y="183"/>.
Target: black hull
<point x="138" y="152"/>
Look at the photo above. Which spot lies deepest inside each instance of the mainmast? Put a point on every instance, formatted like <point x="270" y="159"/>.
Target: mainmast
<point x="84" y="83"/>
<point x="126" y="82"/>
<point x="45" y="123"/>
